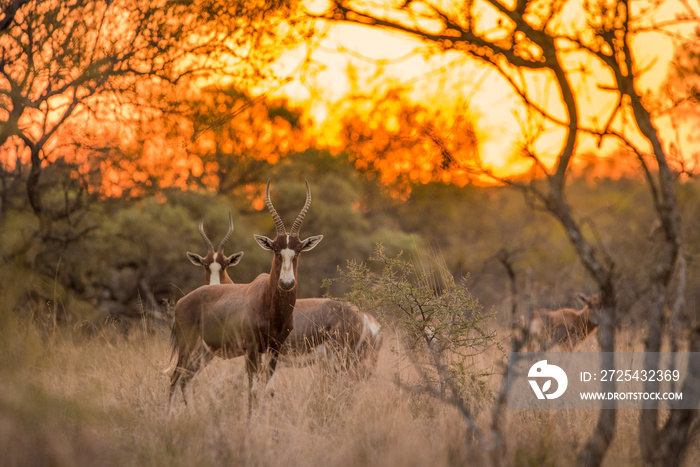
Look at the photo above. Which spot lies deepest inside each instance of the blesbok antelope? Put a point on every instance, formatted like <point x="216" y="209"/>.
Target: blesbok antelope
<point x="335" y="331"/>
<point x="566" y="327"/>
<point x="232" y="320"/>
<point x="326" y="328"/>
<point x="215" y="262"/>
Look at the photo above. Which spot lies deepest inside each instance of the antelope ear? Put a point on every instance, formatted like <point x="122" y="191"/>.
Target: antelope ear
<point x="195" y="259"/>
<point x="311" y="242"/>
<point x="234" y="259"/>
<point x="264" y="242"/>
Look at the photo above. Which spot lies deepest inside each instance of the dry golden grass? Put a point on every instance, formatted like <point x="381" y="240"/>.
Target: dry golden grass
<point x="70" y="401"/>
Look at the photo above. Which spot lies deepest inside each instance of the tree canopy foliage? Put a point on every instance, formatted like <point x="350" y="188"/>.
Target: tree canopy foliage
<point x="66" y="65"/>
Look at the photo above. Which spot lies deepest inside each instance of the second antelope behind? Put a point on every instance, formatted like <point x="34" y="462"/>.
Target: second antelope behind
<point x="232" y="320"/>
<point x="215" y="262"/>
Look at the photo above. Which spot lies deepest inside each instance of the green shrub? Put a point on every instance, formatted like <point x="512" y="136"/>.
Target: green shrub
<point x="440" y="323"/>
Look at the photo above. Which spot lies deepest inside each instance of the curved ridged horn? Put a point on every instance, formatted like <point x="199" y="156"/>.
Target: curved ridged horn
<point x="228" y="234"/>
<point x="279" y="225"/>
<point x="204" y="236"/>
<point x="302" y="214"/>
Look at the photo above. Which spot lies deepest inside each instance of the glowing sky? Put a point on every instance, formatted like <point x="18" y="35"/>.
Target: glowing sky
<point x="440" y="78"/>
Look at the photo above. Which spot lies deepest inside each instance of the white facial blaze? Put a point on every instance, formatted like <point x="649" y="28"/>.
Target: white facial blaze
<point x="287" y="270"/>
<point x="214" y="271"/>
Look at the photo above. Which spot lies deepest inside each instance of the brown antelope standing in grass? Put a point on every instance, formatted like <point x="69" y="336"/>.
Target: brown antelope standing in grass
<point x="326" y="329"/>
<point x="233" y="320"/>
<point x="566" y="327"/>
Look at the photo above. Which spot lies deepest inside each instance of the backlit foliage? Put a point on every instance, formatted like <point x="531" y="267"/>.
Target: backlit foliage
<point x="405" y="142"/>
<point x="234" y="136"/>
<point x="108" y="66"/>
<point x="682" y="92"/>
<point x="221" y="139"/>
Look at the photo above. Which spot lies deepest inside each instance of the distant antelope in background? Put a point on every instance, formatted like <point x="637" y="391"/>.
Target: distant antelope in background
<point x="232" y="320"/>
<point x="566" y="327"/>
<point x="323" y="328"/>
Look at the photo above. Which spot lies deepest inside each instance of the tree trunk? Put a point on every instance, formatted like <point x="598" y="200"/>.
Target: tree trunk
<point x="34" y="192"/>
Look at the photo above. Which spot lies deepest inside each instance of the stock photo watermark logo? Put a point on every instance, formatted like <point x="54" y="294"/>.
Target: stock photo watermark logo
<point x="595" y="380"/>
<point x="547" y="373"/>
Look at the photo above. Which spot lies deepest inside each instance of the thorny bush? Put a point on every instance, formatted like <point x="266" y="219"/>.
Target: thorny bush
<point x="440" y="324"/>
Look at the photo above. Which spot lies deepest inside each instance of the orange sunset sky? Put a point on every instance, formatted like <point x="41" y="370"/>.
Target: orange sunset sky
<point x="317" y="80"/>
<point x="499" y="115"/>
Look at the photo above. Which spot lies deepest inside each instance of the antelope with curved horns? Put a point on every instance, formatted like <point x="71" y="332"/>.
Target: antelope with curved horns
<point x="232" y="320"/>
<point x="215" y="262"/>
<point x="566" y="327"/>
<point x="322" y="327"/>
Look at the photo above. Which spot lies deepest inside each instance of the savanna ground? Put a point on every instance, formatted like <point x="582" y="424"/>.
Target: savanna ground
<point x="70" y="400"/>
<point x="76" y="390"/>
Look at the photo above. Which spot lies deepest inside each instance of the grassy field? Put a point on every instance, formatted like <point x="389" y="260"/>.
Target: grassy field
<point x="67" y="400"/>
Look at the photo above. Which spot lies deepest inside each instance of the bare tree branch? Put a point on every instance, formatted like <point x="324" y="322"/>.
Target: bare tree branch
<point x="518" y="41"/>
